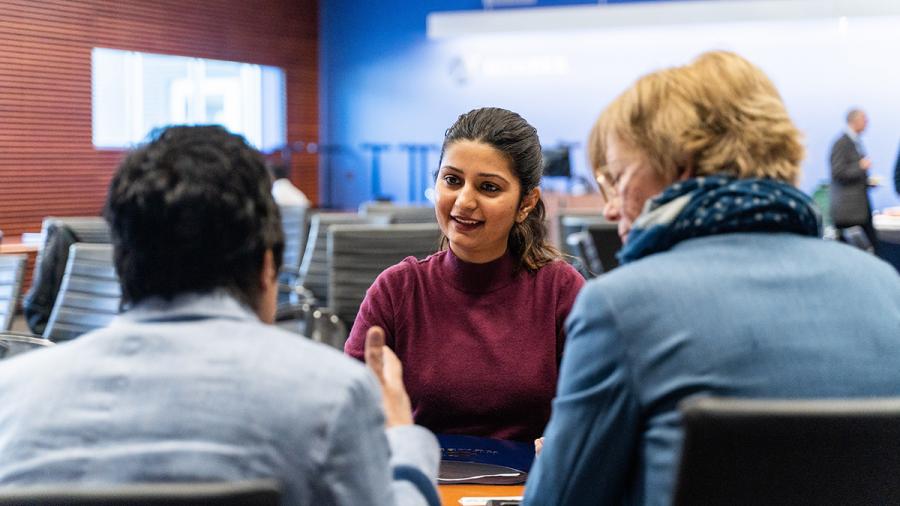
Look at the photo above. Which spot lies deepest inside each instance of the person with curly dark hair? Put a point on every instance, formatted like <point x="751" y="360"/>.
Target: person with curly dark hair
<point x="190" y="383"/>
<point x="479" y="325"/>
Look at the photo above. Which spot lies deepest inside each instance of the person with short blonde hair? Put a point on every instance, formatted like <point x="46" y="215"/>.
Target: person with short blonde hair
<point x="686" y="118"/>
<point x="725" y="287"/>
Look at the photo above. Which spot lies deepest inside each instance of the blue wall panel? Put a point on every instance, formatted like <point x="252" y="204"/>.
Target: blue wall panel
<point x="384" y="82"/>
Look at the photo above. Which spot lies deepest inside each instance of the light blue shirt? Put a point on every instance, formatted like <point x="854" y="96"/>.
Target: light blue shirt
<point x="200" y="390"/>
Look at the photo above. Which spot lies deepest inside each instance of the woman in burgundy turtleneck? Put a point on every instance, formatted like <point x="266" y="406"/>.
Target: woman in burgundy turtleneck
<point x="478" y="326"/>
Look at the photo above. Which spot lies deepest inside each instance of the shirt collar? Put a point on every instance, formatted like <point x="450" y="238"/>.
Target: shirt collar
<point x="852" y="134"/>
<point x="189" y="306"/>
<point x="478" y="278"/>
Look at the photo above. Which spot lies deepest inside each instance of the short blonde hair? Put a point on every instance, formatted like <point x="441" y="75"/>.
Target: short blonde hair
<point x="717" y="115"/>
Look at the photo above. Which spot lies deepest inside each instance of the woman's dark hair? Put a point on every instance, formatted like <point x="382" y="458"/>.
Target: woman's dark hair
<point x="192" y="211"/>
<point x="517" y="140"/>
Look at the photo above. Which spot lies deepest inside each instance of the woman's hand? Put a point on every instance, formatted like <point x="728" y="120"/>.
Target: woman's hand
<point x="387" y="368"/>
<point x="538" y="446"/>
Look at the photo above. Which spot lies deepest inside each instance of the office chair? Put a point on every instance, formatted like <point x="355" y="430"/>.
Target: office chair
<point x="89" y="295"/>
<point x="787" y="452"/>
<point x="12" y="267"/>
<point x="607" y="242"/>
<point x="604" y="233"/>
<point x="14" y="343"/>
<point x="582" y="244"/>
<point x="570" y="222"/>
<point x="92" y="229"/>
<point x="242" y="493"/>
<point x="294" y="225"/>
<point x="299" y="295"/>
<point x="357" y="254"/>
<point x="400" y="214"/>
<point x="314" y="268"/>
<point x="293" y="222"/>
<point x="57" y="234"/>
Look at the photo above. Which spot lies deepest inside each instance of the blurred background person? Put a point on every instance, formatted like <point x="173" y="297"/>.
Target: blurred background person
<point x="850" y="205"/>
<point x="191" y="383"/>
<point x="478" y="326"/>
<point x="726" y="288"/>
<point x="897" y="173"/>
<point x="283" y="190"/>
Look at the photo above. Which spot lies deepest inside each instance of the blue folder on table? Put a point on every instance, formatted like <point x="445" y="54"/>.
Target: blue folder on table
<point x="482" y="460"/>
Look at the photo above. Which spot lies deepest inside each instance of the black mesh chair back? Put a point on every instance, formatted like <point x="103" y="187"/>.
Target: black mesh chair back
<point x="570" y="223"/>
<point x="14" y="343"/>
<point x="314" y="267"/>
<point x="89" y="296"/>
<point x="607" y="243"/>
<point x="244" y="493"/>
<point x="582" y="245"/>
<point x="786" y="452"/>
<point x="604" y="234"/>
<point x="12" y="268"/>
<point x="357" y="254"/>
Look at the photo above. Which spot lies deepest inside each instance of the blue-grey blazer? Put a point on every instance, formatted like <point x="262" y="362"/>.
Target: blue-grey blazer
<point x="744" y="315"/>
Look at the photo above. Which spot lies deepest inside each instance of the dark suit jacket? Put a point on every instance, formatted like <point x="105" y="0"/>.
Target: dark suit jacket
<point x="897" y="173"/>
<point x="849" y="191"/>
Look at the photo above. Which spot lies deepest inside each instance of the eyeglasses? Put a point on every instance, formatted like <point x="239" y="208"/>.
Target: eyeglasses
<point x="608" y="187"/>
<point x="610" y="177"/>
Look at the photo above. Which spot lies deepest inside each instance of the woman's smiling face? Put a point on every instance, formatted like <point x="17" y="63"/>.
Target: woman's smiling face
<point x="478" y="197"/>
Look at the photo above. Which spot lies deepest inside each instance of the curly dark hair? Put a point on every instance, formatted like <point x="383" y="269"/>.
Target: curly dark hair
<point x="510" y="134"/>
<point x="192" y="211"/>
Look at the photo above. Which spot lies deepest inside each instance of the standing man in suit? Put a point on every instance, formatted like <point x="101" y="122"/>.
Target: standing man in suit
<point x="850" y="204"/>
<point x="897" y="173"/>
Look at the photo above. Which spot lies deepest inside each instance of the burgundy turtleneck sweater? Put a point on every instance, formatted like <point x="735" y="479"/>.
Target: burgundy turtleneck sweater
<point x="480" y="343"/>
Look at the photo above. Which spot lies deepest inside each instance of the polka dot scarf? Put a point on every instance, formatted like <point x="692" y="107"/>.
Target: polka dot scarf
<point x="718" y="205"/>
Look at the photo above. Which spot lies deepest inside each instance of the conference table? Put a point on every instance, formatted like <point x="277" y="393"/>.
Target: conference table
<point x="451" y="494"/>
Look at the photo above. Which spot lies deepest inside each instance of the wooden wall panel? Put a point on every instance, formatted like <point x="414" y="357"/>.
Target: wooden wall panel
<point x="48" y="165"/>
